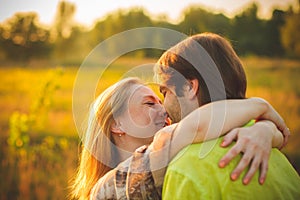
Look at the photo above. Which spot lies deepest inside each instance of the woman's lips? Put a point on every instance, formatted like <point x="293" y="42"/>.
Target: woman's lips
<point x="168" y="121"/>
<point x="160" y="123"/>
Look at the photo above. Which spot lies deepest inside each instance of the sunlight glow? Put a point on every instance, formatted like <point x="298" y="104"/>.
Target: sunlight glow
<point x="87" y="12"/>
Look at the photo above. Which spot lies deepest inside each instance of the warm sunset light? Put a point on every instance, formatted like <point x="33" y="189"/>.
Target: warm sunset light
<point x="72" y="109"/>
<point x="88" y="11"/>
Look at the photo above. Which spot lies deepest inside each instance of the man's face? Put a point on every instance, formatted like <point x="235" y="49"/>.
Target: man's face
<point x="177" y="107"/>
<point x="171" y="103"/>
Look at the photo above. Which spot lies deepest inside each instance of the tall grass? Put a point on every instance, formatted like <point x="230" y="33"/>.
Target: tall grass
<point x="278" y="82"/>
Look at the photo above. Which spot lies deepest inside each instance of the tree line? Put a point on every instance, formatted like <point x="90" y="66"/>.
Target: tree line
<point x="23" y="38"/>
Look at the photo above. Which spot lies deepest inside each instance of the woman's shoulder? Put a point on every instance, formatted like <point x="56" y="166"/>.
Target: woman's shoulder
<point x="104" y="188"/>
<point x="162" y="138"/>
<point x="113" y="184"/>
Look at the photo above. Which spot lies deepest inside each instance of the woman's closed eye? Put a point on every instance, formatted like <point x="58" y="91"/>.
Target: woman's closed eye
<point x="149" y="103"/>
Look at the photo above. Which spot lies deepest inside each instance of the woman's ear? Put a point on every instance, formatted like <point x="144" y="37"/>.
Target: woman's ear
<point x="193" y="88"/>
<point x="116" y="128"/>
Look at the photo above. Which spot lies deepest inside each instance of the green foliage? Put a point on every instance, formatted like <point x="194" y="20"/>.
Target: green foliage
<point x="290" y="34"/>
<point x="21" y="124"/>
<point x="64" y="19"/>
<point x="247" y="31"/>
<point x="254" y="36"/>
<point x="273" y="45"/>
<point x="19" y="127"/>
<point x="22" y="38"/>
<point x="197" y="20"/>
<point x="119" y="21"/>
<point x="28" y="153"/>
<point x="69" y="39"/>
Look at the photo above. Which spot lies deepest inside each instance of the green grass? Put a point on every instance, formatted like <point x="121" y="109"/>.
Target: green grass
<point x="42" y="169"/>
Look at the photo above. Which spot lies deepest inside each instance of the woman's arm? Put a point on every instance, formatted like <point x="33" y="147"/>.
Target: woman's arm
<point x="217" y="118"/>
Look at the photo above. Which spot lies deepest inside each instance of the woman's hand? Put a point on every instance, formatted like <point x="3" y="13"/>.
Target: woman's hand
<point x="272" y="115"/>
<point x="255" y="143"/>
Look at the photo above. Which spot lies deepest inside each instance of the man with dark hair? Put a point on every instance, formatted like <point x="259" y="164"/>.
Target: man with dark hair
<point x="199" y="70"/>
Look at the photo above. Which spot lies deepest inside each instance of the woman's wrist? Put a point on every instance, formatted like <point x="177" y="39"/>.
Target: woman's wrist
<point x="263" y="106"/>
<point x="270" y="114"/>
<point x="277" y="136"/>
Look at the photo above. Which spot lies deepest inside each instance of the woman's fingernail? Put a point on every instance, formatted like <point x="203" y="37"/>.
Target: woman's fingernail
<point x="261" y="181"/>
<point x="222" y="164"/>
<point x="223" y="144"/>
<point x="246" y="181"/>
<point x="234" y="176"/>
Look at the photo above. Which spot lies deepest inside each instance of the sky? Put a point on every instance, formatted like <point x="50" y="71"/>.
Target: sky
<point x="88" y="11"/>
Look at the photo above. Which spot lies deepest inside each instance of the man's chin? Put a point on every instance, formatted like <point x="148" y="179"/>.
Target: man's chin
<point x="175" y="119"/>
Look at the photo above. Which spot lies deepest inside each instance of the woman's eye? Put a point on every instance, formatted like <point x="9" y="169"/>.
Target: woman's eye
<point x="150" y="103"/>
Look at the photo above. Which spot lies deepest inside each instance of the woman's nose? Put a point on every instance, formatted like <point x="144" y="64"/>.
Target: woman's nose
<point x="162" y="111"/>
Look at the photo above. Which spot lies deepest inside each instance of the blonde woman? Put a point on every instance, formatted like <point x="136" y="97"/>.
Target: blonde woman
<point x="124" y="119"/>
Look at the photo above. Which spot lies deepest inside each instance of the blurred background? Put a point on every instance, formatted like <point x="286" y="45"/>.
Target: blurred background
<point x="43" y="43"/>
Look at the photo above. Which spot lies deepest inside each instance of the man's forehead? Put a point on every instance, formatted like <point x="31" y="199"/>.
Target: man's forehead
<point x="167" y="88"/>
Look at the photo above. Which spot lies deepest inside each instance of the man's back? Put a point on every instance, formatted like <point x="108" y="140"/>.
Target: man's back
<point x="191" y="177"/>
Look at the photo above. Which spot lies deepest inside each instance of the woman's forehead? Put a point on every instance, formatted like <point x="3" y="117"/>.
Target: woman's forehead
<point x="141" y="92"/>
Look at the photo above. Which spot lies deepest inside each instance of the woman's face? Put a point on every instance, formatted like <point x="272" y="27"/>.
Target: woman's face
<point x="145" y="114"/>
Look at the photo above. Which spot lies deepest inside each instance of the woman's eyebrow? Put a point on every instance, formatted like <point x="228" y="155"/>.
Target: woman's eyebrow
<point x="146" y="97"/>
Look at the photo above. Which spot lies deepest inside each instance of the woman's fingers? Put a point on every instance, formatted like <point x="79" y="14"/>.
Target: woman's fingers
<point x="286" y="134"/>
<point x="244" y="163"/>
<point x="230" y="137"/>
<point x="255" y="144"/>
<point x="232" y="153"/>
<point x="263" y="171"/>
<point x="254" y="166"/>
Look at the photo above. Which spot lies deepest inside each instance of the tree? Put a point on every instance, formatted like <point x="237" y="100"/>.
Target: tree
<point x="290" y="33"/>
<point x="249" y="32"/>
<point x="117" y="22"/>
<point x="197" y="20"/>
<point x="64" y="22"/>
<point x="62" y="31"/>
<point x="272" y="35"/>
<point x="22" y="38"/>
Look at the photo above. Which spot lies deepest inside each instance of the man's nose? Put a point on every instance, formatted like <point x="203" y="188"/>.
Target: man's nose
<point x="162" y="111"/>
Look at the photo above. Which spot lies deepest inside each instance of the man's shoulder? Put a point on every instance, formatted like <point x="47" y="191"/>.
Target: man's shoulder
<point x="193" y="170"/>
<point x="200" y="152"/>
<point x="206" y="155"/>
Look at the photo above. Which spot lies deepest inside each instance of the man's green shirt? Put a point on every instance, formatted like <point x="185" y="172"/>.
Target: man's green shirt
<point x="193" y="174"/>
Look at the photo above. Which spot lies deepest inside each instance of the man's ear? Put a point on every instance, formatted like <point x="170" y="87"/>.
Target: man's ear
<point x="116" y="128"/>
<point x="193" y="88"/>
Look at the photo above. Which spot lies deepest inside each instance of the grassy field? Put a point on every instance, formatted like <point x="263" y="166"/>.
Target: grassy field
<point x="39" y="141"/>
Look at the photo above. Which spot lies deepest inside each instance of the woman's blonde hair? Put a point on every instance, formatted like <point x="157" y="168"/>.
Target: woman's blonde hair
<point x="99" y="153"/>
